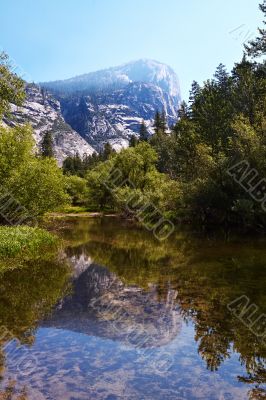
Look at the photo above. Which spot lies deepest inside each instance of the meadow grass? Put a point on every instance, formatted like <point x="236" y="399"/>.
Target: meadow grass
<point x="22" y="243"/>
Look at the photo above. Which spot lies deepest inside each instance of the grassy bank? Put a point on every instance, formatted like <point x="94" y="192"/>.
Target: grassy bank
<point x="77" y="211"/>
<point x="72" y="210"/>
<point x="22" y="243"/>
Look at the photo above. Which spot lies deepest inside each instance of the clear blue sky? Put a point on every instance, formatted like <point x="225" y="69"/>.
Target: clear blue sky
<point x="57" y="39"/>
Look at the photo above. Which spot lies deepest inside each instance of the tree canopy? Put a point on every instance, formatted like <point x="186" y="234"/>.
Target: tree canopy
<point x="257" y="47"/>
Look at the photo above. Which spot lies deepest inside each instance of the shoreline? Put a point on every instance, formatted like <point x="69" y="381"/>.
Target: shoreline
<point x="82" y="214"/>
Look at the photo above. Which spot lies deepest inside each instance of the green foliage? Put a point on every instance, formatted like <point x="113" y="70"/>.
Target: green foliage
<point x="69" y="209"/>
<point x="135" y="163"/>
<point x="75" y="165"/>
<point x="36" y="183"/>
<point x="25" y="241"/>
<point x="257" y="47"/>
<point x="99" y="195"/>
<point x="133" y="141"/>
<point x="143" y="132"/>
<point x="39" y="186"/>
<point x="16" y="146"/>
<point x="107" y="152"/>
<point x="131" y="177"/>
<point x="29" y="292"/>
<point x="224" y="123"/>
<point x="77" y="189"/>
<point x="47" y="145"/>
<point x="11" y="86"/>
<point x="160" y="124"/>
<point x="163" y="146"/>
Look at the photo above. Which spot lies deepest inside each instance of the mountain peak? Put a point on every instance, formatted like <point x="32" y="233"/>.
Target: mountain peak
<point x="109" y="105"/>
<point x="151" y="71"/>
<point x="143" y="70"/>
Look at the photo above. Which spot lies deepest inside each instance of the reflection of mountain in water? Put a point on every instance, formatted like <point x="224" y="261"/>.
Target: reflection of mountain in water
<point x="102" y="305"/>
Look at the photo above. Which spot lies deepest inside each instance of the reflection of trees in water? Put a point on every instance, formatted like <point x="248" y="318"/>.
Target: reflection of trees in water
<point x="26" y="296"/>
<point x="204" y="291"/>
<point x="207" y="275"/>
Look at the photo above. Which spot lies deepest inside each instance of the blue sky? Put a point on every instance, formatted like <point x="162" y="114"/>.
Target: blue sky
<point x="61" y="38"/>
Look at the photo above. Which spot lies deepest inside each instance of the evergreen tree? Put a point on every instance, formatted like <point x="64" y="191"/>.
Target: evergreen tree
<point x="221" y="76"/>
<point x="157" y="122"/>
<point x="107" y="151"/>
<point x="133" y="141"/>
<point x="183" y="111"/>
<point x="257" y="47"/>
<point x="78" y="164"/>
<point x="47" y="145"/>
<point x="160" y="123"/>
<point x="68" y="166"/>
<point x="163" y="122"/>
<point x="194" y="92"/>
<point x="73" y="165"/>
<point x="94" y="159"/>
<point x="248" y="95"/>
<point x="143" y="132"/>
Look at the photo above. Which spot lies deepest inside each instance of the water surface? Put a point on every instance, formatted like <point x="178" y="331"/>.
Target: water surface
<point x="128" y="317"/>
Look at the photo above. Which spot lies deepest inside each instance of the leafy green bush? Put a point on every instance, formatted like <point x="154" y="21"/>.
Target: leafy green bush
<point x="37" y="184"/>
<point x="129" y="182"/>
<point x="77" y="189"/>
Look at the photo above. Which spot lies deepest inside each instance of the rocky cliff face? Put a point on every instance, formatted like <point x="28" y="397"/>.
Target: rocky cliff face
<point x="85" y="112"/>
<point x="43" y="112"/>
<point x="109" y="105"/>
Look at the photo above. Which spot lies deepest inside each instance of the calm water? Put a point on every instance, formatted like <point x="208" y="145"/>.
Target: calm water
<point x="127" y="317"/>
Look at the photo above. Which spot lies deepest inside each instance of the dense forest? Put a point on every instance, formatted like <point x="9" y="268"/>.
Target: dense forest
<point x="209" y="169"/>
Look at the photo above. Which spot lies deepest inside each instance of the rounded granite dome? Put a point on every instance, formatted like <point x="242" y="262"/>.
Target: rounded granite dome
<point x="144" y="70"/>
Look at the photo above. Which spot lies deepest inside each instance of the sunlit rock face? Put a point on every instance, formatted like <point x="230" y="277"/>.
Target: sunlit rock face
<point x="109" y="105"/>
<point x="102" y="305"/>
<point x="43" y="112"/>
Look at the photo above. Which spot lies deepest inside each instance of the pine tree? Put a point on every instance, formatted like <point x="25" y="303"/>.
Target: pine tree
<point x="183" y="111"/>
<point x="143" y="132"/>
<point x="133" y="141"/>
<point x="163" y="122"/>
<point x="157" y="122"/>
<point x="257" y="47"/>
<point x="47" y="145"/>
<point x="107" y="151"/>
<point x="194" y="92"/>
<point x="221" y="76"/>
<point x="160" y="123"/>
<point x="68" y="166"/>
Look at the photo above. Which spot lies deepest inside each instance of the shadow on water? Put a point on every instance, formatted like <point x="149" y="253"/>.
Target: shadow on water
<point x="143" y="320"/>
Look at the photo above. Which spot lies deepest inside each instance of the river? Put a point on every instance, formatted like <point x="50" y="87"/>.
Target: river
<point x="124" y="316"/>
